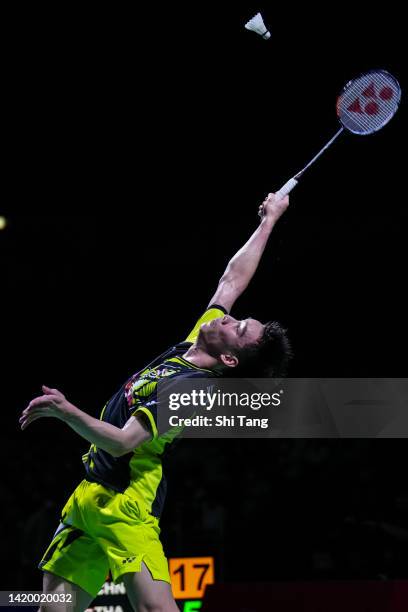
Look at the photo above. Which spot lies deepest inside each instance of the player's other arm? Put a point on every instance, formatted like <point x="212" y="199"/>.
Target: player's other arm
<point x="109" y="438"/>
<point x="243" y="265"/>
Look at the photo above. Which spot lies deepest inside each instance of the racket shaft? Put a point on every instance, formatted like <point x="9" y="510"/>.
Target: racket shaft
<point x="287" y="188"/>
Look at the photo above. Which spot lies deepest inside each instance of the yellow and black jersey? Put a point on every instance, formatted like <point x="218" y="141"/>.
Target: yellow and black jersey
<point x="140" y="473"/>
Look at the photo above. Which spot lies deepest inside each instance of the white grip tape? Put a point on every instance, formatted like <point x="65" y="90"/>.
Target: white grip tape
<point x="287" y="188"/>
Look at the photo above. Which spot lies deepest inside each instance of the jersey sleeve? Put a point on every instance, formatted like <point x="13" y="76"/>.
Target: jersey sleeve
<point x="149" y="408"/>
<point x="149" y="416"/>
<point x="213" y="312"/>
<point x="145" y="403"/>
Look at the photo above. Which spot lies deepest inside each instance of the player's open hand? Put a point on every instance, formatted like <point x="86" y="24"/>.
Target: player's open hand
<point x="272" y="207"/>
<point x="52" y="404"/>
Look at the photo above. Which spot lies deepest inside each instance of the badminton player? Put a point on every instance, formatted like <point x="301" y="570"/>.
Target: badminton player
<point x="111" y="521"/>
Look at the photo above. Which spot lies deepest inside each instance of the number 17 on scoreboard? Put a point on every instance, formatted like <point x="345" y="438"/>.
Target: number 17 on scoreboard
<point x="189" y="578"/>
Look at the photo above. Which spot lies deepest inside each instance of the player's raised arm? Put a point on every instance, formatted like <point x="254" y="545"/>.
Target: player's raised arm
<point x="243" y="265"/>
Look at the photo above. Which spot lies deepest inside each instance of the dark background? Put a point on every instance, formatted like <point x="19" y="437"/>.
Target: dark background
<point x="138" y="148"/>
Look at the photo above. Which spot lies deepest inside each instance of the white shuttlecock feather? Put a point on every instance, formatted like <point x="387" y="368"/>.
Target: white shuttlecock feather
<point x="256" y="24"/>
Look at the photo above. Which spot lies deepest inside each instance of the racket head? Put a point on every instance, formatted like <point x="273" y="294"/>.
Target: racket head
<point x="368" y="102"/>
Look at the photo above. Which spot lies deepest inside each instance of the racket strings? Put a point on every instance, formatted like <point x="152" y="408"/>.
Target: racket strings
<point x="369" y="102"/>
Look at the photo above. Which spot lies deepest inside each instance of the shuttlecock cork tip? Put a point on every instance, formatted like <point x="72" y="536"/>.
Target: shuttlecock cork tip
<point x="256" y="24"/>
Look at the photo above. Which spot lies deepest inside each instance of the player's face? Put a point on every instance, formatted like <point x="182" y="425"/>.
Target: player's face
<point x="226" y="333"/>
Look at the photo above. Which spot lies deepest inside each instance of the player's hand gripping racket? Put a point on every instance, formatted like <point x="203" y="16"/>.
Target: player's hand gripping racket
<point x="365" y="105"/>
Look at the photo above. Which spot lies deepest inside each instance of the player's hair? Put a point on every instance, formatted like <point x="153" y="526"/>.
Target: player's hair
<point x="268" y="357"/>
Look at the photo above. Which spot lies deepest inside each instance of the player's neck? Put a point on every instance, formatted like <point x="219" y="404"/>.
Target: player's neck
<point x="200" y="358"/>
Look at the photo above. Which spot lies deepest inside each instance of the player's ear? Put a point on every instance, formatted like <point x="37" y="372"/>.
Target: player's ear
<point x="229" y="360"/>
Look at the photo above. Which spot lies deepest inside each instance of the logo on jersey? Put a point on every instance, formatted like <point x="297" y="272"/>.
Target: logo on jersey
<point x="142" y="385"/>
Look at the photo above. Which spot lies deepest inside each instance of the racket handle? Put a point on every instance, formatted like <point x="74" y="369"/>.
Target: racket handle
<point x="283" y="191"/>
<point x="287" y="188"/>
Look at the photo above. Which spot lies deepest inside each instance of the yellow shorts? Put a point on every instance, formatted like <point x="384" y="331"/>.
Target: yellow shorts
<point x="103" y="530"/>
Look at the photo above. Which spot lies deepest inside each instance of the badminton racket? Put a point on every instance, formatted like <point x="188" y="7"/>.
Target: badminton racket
<point x="365" y="105"/>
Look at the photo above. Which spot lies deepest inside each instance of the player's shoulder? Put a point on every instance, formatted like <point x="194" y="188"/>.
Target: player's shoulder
<point x="213" y="311"/>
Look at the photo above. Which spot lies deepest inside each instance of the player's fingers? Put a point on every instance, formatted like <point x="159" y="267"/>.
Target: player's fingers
<point x="49" y="391"/>
<point x="33" y="411"/>
<point x="30" y="419"/>
<point x="25" y="424"/>
<point x="270" y="198"/>
<point x="42" y="400"/>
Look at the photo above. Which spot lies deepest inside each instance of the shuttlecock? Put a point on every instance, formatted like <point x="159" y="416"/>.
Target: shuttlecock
<point x="257" y="25"/>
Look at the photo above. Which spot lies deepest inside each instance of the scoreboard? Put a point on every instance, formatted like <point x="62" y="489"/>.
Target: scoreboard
<point x="189" y="578"/>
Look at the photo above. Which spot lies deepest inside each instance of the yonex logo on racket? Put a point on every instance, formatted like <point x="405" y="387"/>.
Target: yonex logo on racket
<point x="370" y="106"/>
